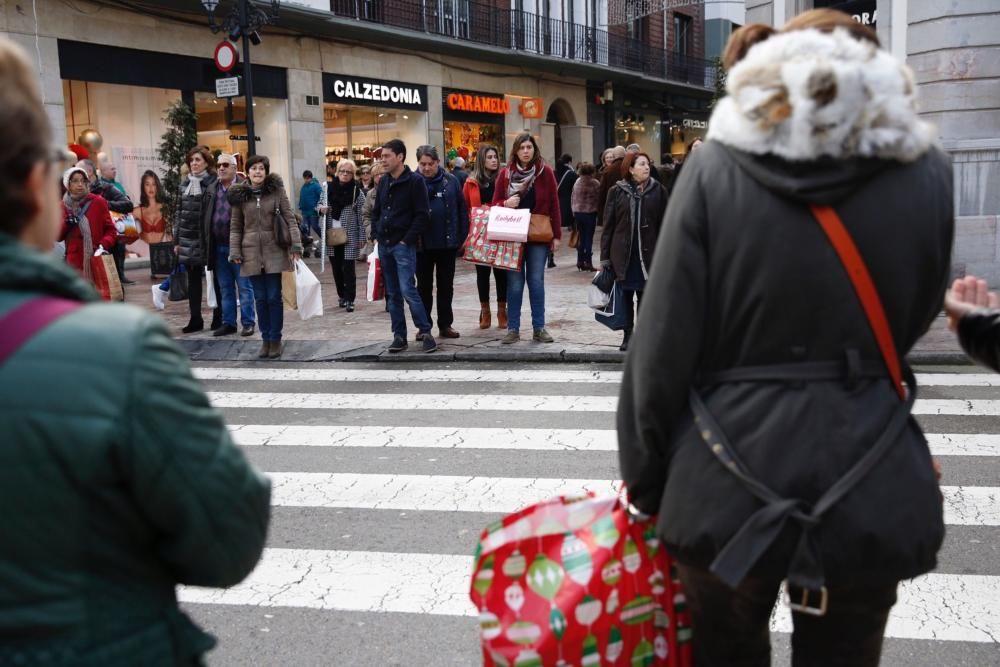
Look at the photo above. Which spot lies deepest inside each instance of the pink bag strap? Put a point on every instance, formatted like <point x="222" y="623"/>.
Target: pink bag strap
<point x="19" y="325"/>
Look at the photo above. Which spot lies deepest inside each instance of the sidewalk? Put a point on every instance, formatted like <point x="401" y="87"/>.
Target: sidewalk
<point x="364" y="334"/>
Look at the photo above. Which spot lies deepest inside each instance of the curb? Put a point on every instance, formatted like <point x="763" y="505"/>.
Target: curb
<point x="201" y="349"/>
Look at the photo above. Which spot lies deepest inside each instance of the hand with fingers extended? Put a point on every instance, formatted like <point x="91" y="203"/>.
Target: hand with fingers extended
<point x="973" y="314"/>
<point x="966" y="295"/>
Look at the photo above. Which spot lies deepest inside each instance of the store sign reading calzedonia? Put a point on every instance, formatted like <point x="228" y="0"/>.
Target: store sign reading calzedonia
<point x="355" y="90"/>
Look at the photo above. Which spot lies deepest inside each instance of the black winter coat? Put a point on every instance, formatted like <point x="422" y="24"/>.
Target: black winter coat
<point x="617" y="234"/>
<point x="448" y="224"/>
<point x="979" y="335"/>
<point x="749" y="279"/>
<point x="193" y="224"/>
<point x="401" y="209"/>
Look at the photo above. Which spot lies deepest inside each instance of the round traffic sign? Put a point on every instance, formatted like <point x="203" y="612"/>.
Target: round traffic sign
<point x="226" y="56"/>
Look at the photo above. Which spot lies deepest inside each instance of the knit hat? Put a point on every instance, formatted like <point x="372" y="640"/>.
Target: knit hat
<point x="69" y="174"/>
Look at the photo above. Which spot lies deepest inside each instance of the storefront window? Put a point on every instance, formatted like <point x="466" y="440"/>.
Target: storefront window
<point x="463" y="139"/>
<point x="216" y="130"/>
<point x="639" y="128"/>
<point x="683" y="132"/>
<point x="358" y="133"/>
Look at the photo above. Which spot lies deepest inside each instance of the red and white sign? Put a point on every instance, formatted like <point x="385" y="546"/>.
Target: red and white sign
<point x="226" y="56"/>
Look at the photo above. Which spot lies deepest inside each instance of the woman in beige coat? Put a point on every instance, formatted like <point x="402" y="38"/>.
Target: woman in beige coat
<point x="259" y="204"/>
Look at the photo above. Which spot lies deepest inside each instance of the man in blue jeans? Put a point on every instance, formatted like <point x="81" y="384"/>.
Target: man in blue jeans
<point x="228" y="274"/>
<point x="400" y="212"/>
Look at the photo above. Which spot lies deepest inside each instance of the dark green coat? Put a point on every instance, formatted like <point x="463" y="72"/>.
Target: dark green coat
<point x="118" y="481"/>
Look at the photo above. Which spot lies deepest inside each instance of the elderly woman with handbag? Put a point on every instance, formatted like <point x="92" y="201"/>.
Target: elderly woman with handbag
<point x="345" y="234"/>
<point x="264" y="239"/>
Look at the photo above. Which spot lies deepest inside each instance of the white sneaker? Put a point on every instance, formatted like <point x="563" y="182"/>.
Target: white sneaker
<point x="158" y="296"/>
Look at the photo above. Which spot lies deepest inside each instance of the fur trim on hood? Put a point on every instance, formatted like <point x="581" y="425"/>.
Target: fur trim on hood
<point x="242" y="192"/>
<point x="806" y="94"/>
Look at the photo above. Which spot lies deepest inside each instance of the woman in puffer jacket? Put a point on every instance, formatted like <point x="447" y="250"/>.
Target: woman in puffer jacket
<point x="260" y="205"/>
<point x="758" y="416"/>
<point x="191" y="228"/>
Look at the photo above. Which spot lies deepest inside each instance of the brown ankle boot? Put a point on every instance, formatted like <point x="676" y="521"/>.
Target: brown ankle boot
<point x="502" y="315"/>
<point x="265" y="349"/>
<point x="484" y="316"/>
<point x="275" y="351"/>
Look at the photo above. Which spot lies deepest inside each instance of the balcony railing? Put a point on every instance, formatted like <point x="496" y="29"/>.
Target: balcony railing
<point x="531" y="33"/>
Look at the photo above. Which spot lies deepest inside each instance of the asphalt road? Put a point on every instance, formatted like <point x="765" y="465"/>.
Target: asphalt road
<point x="385" y="475"/>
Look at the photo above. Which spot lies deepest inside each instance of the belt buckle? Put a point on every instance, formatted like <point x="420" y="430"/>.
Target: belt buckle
<point x="803" y="606"/>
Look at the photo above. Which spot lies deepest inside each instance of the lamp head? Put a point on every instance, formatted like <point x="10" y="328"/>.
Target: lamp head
<point x="210" y="6"/>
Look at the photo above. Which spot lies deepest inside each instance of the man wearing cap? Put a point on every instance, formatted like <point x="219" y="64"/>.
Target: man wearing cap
<point x="227" y="274"/>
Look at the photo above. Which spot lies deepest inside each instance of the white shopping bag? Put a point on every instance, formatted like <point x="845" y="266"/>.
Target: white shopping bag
<point x="376" y="285"/>
<point x="307" y="292"/>
<point x="210" y="296"/>
<point x="597" y="299"/>
<point x="158" y="297"/>
<point x="322" y="248"/>
<point x="508" y="224"/>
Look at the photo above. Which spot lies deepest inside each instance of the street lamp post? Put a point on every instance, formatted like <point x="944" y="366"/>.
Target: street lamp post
<point x="243" y="23"/>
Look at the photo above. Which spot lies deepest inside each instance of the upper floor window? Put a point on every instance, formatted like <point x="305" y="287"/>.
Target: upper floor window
<point x="682" y="34"/>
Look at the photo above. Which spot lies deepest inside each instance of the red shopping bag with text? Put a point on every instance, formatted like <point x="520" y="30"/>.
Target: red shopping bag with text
<point x="578" y="581"/>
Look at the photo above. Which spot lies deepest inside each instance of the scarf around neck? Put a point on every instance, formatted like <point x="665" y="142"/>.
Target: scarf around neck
<point x="194" y="184"/>
<point x="78" y="207"/>
<point x="521" y="179"/>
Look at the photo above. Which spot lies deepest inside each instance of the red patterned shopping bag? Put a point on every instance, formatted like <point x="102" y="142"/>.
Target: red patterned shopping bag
<point x="578" y="581"/>
<point x="480" y="250"/>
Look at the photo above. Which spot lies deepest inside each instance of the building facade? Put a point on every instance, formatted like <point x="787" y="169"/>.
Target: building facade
<point x="335" y="79"/>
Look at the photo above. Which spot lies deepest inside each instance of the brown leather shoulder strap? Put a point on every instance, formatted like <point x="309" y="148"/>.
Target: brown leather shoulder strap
<point x="865" y="289"/>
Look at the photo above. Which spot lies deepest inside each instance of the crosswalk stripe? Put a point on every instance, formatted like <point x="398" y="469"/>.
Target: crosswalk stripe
<point x="372" y="581"/>
<point x="507" y="403"/>
<point x="422" y="375"/>
<point x="964" y="505"/>
<point x="941" y="607"/>
<point x="561" y="440"/>
<point x="498" y="376"/>
<point x="251" y="435"/>
<point x="449" y="402"/>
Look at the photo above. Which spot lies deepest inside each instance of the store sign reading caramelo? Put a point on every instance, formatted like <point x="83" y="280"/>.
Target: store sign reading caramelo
<point x="478" y="103"/>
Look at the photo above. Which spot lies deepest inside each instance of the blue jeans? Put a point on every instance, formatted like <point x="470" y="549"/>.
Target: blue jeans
<point x="399" y="266"/>
<point x="535" y="256"/>
<point x="270" y="309"/>
<point x="310" y="221"/>
<point x="585" y="224"/>
<point x="229" y="281"/>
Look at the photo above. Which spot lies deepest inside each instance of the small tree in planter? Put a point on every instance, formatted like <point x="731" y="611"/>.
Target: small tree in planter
<point x="720" y="82"/>
<point x="181" y="136"/>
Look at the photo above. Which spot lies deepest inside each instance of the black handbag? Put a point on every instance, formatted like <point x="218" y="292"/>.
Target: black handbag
<point x="605" y="280"/>
<point x="281" y="234"/>
<point x="178" y="284"/>
<point x="161" y="258"/>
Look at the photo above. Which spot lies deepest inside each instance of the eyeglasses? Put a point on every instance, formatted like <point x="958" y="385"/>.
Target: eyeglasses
<point x="345" y="171"/>
<point x="226" y="165"/>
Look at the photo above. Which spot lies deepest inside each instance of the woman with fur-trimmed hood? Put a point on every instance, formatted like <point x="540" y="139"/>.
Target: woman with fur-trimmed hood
<point x="752" y="322"/>
<point x="260" y="203"/>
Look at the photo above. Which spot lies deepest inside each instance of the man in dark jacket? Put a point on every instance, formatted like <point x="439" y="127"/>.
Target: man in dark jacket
<point x="118" y="202"/>
<point x="612" y="174"/>
<point x="225" y="274"/>
<point x="447" y="227"/>
<point x="458" y="171"/>
<point x="565" y="180"/>
<point x="400" y="215"/>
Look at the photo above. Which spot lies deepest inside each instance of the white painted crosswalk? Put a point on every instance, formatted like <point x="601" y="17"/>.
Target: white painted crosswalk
<point x="277" y="420"/>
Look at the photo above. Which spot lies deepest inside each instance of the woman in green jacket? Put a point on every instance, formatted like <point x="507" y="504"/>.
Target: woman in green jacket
<point x="119" y="481"/>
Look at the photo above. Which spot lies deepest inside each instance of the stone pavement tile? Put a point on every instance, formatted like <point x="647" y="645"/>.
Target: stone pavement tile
<point x="365" y="333"/>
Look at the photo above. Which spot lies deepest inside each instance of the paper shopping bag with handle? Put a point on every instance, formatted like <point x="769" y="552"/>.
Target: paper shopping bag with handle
<point x="578" y="581"/>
